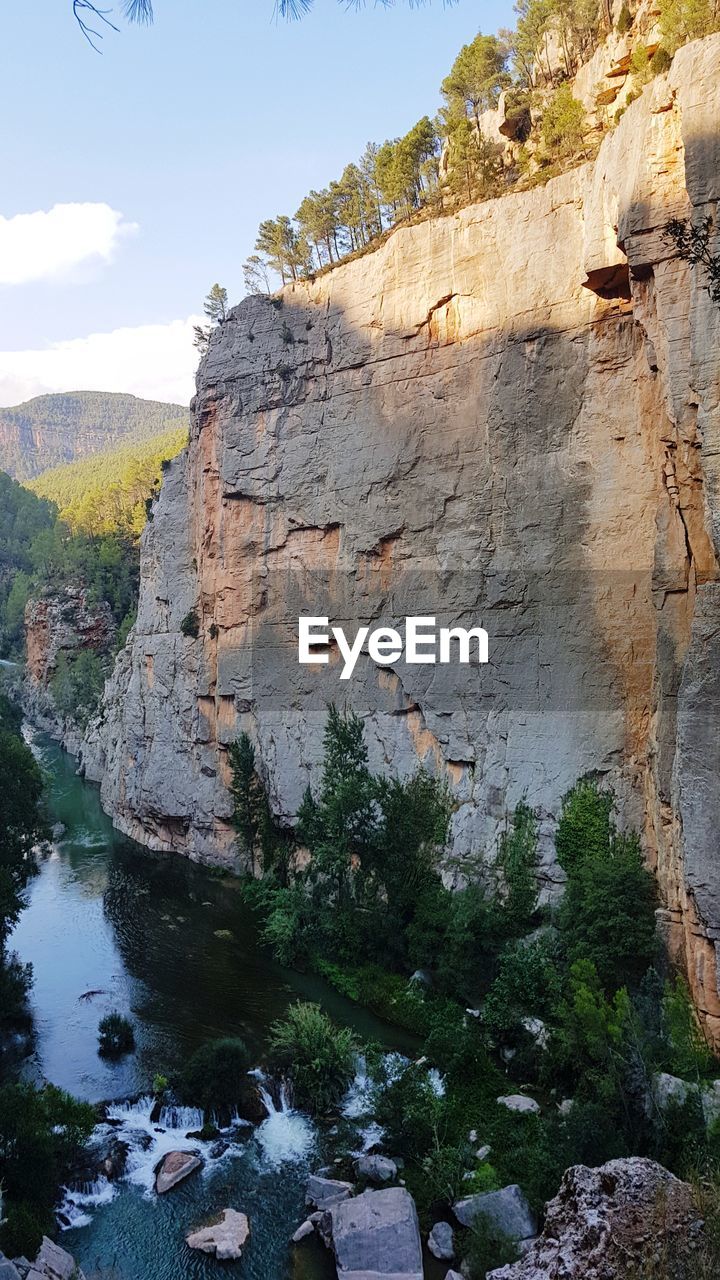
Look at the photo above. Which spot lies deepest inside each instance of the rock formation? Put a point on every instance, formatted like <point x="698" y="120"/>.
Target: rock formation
<point x="65" y="621"/>
<point x="225" y="1238"/>
<point x="173" y="1168"/>
<point x="508" y="417"/>
<point x="611" y="1223"/>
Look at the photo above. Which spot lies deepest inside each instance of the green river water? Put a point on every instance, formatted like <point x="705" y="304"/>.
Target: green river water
<point x="109" y="926"/>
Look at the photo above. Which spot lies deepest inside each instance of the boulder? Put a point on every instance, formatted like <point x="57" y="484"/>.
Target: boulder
<point x="8" y="1270"/>
<point x="173" y="1168"/>
<point x="521" y="1103"/>
<point x="376" y="1236"/>
<point x="507" y="1209"/>
<point x="441" y="1243"/>
<point x="225" y="1238"/>
<point x="113" y="1163"/>
<point x="453" y="1275"/>
<point x="54" y="1263"/>
<point x="325" y="1192"/>
<point x="668" y="1090"/>
<point x="483" y="1152"/>
<point x="306" y="1228"/>
<point x="536" y="1028"/>
<point x="376" y="1169"/>
<point x="611" y="1222"/>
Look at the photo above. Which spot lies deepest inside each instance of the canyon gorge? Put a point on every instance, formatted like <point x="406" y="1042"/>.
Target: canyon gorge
<point x="504" y="416"/>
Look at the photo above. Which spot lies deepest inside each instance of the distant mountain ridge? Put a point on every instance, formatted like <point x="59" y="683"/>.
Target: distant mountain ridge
<point x="52" y="429"/>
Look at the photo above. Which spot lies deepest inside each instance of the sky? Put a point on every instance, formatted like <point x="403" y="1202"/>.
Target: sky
<point x="131" y="180"/>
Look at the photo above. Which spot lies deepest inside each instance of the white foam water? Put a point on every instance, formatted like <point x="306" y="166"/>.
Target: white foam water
<point x="286" y="1136"/>
<point x="76" y="1202"/>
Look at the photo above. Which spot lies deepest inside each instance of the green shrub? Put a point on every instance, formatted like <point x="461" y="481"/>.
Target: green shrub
<point x="585" y="824"/>
<point x="563" y="125"/>
<point x="640" y="65"/>
<point x="683" y="20"/>
<point x="624" y="21"/>
<point x="316" y="1057"/>
<point x="115" y="1036"/>
<point x="190" y="625"/>
<point x="215" y="1076"/>
<point x="412" y="1113"/>
<point x="77" y="684"/>
<point x="607" y="914"/>
<point x="689" y="1052"/>
<point x="517" y="859"/>
<point x="160" y="1084"/>
<point x="42" y="1134"/>
<point x="529" y="982"/>
<point x="661" y="61"/>
<point x="485" y="1249"/>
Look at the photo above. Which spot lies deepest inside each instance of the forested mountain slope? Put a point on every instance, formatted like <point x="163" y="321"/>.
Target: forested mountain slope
<point x="109" y="491"/>
<point x="53" y="429"/>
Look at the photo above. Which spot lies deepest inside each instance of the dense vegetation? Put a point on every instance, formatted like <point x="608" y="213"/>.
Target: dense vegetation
<point x="402" y="178"/>
<point x="317" y="1058"/>
<point x="573" y="1002"/>
<point x="108" y="493"/>
<point x="53" y="429"/>
<point x="41" y="1133"/>
<point x="38" y="550"/>
<point x="80" y="525"/>
<point x="21" y="826"/>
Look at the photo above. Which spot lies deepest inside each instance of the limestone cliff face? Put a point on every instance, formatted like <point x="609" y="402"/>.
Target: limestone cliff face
<point x="510" y="417"/>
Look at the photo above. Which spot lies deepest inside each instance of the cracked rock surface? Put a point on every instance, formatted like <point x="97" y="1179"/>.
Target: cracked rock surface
<point x="505" y="417"/>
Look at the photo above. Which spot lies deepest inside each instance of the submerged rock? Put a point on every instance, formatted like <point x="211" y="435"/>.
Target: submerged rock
<point x="441" y="1243"/>
<point x="173" y="1168"/>
<point x="610" y="1223"/>
<point x="507" y="1209"/>
<point x="306" y="1228"/>
<point x="376" y="1235"/>
<point x="113" y="1163"/>
<point x="225" y="1238"/>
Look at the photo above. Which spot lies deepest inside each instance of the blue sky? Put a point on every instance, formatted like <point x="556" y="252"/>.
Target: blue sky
<point x="194" y="130"/>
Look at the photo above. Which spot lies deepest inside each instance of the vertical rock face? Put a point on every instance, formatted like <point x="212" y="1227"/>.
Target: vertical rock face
<point x="505" y="417"/>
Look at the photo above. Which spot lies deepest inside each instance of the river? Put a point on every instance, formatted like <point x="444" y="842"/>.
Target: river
<point x="173" y="946"/>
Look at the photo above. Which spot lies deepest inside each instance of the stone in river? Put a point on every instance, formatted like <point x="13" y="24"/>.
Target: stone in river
<point x="225" y="1238"/>
<point x="173" y="1168"/>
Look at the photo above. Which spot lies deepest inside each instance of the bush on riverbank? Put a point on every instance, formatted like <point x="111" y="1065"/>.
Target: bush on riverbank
<point x="372" y="885"/>
<point x="22" y="825"/>
<point x="215" y="1076"/>
<point x="41" y="1133"/>
<point x="316" y="1057"/>
<point x="566" y="1000"/>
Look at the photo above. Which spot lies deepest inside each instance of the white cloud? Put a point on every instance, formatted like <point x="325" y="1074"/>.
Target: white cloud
<point x="50" y="244"/>
<point x="157" y="361"/>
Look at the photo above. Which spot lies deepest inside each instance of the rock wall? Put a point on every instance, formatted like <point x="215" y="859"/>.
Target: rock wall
<point x="62" y="621"/>
<point x="507" y="416"/>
